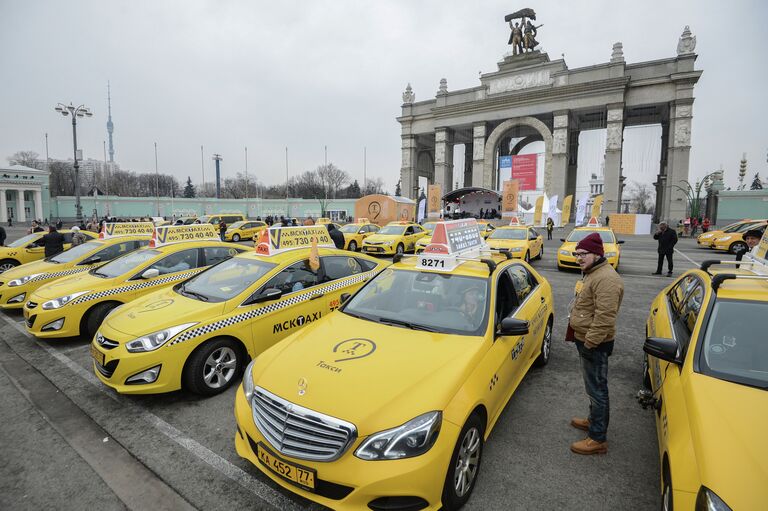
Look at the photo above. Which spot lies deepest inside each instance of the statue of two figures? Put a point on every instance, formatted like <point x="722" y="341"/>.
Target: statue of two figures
<point x="523" y="36"/>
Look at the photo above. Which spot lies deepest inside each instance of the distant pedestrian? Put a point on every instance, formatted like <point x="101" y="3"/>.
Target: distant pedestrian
<point x="336" y="235"/>
<point x="680" y="228"/>
<point x="667" y="241"/>
<point x="222" y="229"/>
<point x="78" y="238"/>
<point x="607" y="220"/>
<point x="705" y="224"/>
<point x="10" y="221"/>
<point x="53" y="242"/>
<point x="59" y="223"/>
<point x="2" y="236"/>
<point x="550" y="227"/>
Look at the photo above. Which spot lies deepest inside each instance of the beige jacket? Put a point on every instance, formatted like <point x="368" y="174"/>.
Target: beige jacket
<point x="593" y="316"/>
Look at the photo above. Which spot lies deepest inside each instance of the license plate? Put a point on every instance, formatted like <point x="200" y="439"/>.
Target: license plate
<point x="97" y="355"/>
<point x="302" y="476"/>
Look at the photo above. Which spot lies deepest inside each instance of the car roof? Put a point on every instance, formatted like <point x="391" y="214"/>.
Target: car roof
<point x="290" y="256"/>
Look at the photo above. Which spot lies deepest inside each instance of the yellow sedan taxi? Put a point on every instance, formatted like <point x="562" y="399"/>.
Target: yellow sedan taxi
<point x="706" y="239"/>
<point x="27" y="248"/>
<point x="522" y="241"/>
<point x="19" y="283"/>
<point x="394" y="238"/>
<point x="733" y="242"/>
<point x="391" y="398"/>
<point x="565" y="257"/>
<point x="244" y="230"/>
<point x="355" y="233"/>
<point x="78" y="304"/>
<point x="706" y="380"/>
<point x="198" y="335"/>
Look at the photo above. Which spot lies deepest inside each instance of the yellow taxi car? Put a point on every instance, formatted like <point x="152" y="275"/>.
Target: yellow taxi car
<point x="523" y="242"/>
<point x="355" y="233"/>
<point x="198" y="335"/>
<point x="486" y="228"/>
<point x="428" y="226"/>
<point x="390" y="398"/>
<point x="706" y="239"/>
<point x="76" y="305"/>
<point x="27" y="248"/>
<point x="394" y="238"/>
<point x="733" y="242"/>
<point x="19" y="283"/>
<point x="706" y="379"/>
<point x="216" y="219"/>
<point x="244" y="230"/>
<point x="565" y="257"/>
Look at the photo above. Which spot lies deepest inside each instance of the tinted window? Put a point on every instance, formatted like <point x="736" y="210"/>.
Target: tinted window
<point x="215" y="255"/>
<point x="75" y="253"/>
<point x="366" y="265"/>
<point x="116" y="250"/>
<point x="179" y="261"/>
<point x="409" y="230"/>
<point x="533" y="234"/>
<point x="606" y="236"/>
<point x="226" y="280"/>
<point x="125" y="263"/>
<point x="686" y="310"/>
<point x="29" y="238"/>
<point x="392" y="229"/>
<point x="522" y="282"/>
<point x="508" y="234"/>
<point x="67" y="237"/>
<point x="338" y="267"/>
<point x="294" y="278"/>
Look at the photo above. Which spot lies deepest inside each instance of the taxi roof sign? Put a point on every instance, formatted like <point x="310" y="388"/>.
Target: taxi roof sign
<point x="594" y="222"/>
<point x="111" y="230"/>
<point x="451" y="241"/>
<point x="281" y="239"/>
<point x="514" y="221"/>
<point x="163" y="235"/>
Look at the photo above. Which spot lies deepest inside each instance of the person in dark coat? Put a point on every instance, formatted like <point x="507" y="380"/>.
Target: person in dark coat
<point x="36" y="227"/>
<point x="59" y="223"/>
<point x="53" y="242"/>
<point x="667" y="240"/>
<point x="2" y="236"/>
<point x="222" y="229"/>
<point x="336" y="235"/>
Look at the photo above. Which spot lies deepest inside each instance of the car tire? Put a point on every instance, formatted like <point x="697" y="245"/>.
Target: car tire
<point x="738" y="247"/>
<point x="7" y="264"/>
<point x="667" y="502"/>
<point x="235" y="238"/>
<point x="96" y="316"/>
<point x="400" y="249"/>
<point x="528" y="257"/>
<point x="213" y="367"/>
<point x="352" y="246"/>
<point x="541" y="253"/>
<point x="468" y="450"/>
<point x="546" y="346"/>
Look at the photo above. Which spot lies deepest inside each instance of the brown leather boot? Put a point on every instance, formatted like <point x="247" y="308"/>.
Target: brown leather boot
<point x="579" y="423"/>
<point x="589" y="446"/>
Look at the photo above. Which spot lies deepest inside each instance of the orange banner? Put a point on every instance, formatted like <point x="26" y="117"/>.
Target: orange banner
<point x="510" y="193"/>
<point x="434" y="200"/>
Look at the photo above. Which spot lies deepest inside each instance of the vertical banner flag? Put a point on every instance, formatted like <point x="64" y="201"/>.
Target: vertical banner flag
<point x="597" y="206"/>
<point x="509" y="197"/>
<point x="524" y="170"/>
<point x="553" y="208"/>
<point x="581" y="210"/>
<point x="538" y="211"/>
<point x="433" y="200"/>
<point x="422" y="210"/>
<point x="505" y="168"/>
<point x="566" y="214"/>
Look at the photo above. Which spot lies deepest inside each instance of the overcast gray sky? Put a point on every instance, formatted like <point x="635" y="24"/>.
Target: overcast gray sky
<point x="230" y="74"/>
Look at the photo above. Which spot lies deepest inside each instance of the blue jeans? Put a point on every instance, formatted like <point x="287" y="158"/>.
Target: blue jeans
<point x="594" y="369"/>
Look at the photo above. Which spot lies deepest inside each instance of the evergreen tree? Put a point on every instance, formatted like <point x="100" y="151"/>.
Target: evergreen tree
<point x="397" y="189"/>
<point x="353" y="190"/>
<point x="756" y="184"/>
<point x="189" y="189"/>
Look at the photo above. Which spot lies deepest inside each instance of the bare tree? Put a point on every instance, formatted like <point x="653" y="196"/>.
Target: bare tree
<point x="26" y="158"/>
<point x="642" y="197"/>
<point x="332" y="179"/>
<point x="373" y="185"/>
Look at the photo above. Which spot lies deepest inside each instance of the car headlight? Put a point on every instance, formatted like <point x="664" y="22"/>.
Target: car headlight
<point x="413" y="438"/>
<point x="564" y="252"/>
<point x="248" y="381"/>
<point x="154" y="340"/>
<point x="388" y="242"/>
<point x="516" y="249"/>
<point x="610" y="254"/>
<point x="57" y="303"/>
<point x="23" y="280"/>
<point x="707" y="500"/>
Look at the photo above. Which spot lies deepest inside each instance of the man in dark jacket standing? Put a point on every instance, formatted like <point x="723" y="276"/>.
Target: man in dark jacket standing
<point x="667" y="241"/>
<point x="336" y="235"/>
<point x="53" y="242"/>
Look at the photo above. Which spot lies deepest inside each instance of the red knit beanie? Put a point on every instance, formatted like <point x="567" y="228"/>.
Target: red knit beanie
<point x="592" y="244"/>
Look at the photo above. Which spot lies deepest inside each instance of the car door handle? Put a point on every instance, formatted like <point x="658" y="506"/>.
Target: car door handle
<point x="543" y="299"/>
<point x="655" y="311"/>
<point x="315" y="297"/>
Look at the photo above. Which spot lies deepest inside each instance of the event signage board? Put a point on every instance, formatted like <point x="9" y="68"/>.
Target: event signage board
<point x="524" y="170"/>
<point x="509" y="196"/>
<point x="566" y="213"/>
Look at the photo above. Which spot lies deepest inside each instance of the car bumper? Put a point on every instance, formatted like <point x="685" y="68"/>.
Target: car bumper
<point x="378" y="249"/>
<point x="119" y="365"/>
<point x="350" y="483"/>
<point x="706" y="243"/>
<point x="721" y="246"/>
<point x="39" y="322"/>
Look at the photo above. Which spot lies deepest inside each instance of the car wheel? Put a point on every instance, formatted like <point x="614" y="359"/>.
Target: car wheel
<point x="235" y="238"/>
<point x="7" y="264"/>
<point x="96" y="317"/>
<point x="546" y="346"/>
<point x="738" y="248"/>
<point x="352" y="246"/>
<point x="213" y="367"/>
<point x="541" y="253"/>
<point x="400" y="249"/>
<point x="666" y="490"/>
<point x="464" y="465"/>
<point x="527" y="257"/>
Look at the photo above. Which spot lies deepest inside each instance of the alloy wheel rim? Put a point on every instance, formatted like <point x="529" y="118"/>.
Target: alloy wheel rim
<point x="6" y="267"/>
<point x="400" y="249"/>
<point x="547" y="344"/>
<point x="219" y="367"/>
<point x="667" y="497"/>
<point x="352" y="246"/>
<point x="467" y="462"/>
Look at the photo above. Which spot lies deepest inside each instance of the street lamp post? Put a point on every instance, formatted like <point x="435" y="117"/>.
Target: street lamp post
<point x="75" y="112"/>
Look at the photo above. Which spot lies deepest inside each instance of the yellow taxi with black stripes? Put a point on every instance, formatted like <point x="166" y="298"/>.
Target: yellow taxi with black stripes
<point x="356" y="232"/>
<point x="78" y="304"/>
<point x="28" y="248"/>
<point x="244" y="230"/>
<point x="17" y="284"/>
<point x="706" y="380"/>
<point x="611" y="245"/>
<point x="394" y="238"/>
<point x="391" y="398"/>
<point x="198" y="335"/>
<point x="522" y="241"/>
<point x="706" y="239"/>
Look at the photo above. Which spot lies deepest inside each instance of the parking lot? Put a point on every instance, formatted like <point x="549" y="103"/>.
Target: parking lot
<point x="69" y="442"/>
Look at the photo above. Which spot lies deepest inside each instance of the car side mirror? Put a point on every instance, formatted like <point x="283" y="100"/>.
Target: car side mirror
<point x="663" y="348"/>
<point x="92" y="260"/>
<point x="562" y="239"/>
<point x="344" y="298"/>
<point x="620" y="242"/>
<point x="150" y="273"/>
<point x="513" y="326"/>
<point x="268" y="294"/>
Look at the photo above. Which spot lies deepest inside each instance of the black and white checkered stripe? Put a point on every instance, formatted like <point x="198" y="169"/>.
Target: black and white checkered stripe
<point x="72" y="271"/>
<point x="293" y="300"/>
<point x="138" y="285"/>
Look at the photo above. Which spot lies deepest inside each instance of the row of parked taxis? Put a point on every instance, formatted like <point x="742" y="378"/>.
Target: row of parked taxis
<point x="731" y="237"/>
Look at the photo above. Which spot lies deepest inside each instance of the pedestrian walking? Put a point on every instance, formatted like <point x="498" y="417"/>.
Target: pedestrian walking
<point x="336" y="235"/>
<point x="53" y="242"/>
<point x="59" y="223"/>
<point x="78" y="238"/>
<point x="667" y="241"/>
<point x="592" y="327"/>
<point x="705" y="224"/>
<point x="550" y="227"/>
<point x="222" y="229"/>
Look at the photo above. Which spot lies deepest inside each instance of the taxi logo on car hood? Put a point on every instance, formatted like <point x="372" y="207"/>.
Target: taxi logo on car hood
<point x="303" y="383"/>
<point x="352" y="349"/>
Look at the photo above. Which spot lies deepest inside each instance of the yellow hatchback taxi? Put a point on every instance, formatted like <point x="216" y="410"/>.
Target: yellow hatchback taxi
<point x="565" y="257"/>
<point x="355" y="233"/>
<point x="19" y="283"/>
<point x="522" y="241"/>
<point x="27" y="248"/>
<point x="706" y="379"/>
<point x="76" y="305"/>
<point x="244" y="230"/>
<point x="394" y="238"/>
<point x="198" y="335"/>
<point x="706" y="239"/>
<point x="390" y="398"/>
<point x="733" y="242"/>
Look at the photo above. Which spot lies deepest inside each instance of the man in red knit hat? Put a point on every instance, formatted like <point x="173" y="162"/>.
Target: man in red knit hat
<point x="592" y="326"/>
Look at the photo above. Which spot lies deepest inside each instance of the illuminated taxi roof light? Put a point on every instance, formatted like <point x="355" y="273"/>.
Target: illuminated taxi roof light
<point x="163" y="235"/>
<point x="276" y="240"/>
<point x="112" y="230"/>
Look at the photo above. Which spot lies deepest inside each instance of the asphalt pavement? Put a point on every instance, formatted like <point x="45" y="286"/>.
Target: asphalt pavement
<point x="64" y="436"/>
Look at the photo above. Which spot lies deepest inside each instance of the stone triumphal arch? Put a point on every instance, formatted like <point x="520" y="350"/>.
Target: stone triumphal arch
<point x="538" y="99"/>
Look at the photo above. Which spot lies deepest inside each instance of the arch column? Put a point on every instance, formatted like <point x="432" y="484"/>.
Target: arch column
<point x="408" y="180"/>
<point x="3" y="207"/>
<point x="21" y="216"/>
<point x="444" y="159"/>
<point x="38" y="194"/>
<point x="559" y="167"/>
<point x="479" y="161"/>
<point x="613" y="153"/>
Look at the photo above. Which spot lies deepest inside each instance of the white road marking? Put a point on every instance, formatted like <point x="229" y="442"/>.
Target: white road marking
<point x="231" y="471"/>
<point x="689" y="259"/>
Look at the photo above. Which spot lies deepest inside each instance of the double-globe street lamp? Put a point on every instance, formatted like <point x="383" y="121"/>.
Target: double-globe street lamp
<point x="75" y="112"/>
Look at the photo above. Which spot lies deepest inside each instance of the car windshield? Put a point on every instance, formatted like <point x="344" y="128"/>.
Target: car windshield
<point x="236" y="225"/>
<point x="126" y="263"/>
<point x="747" y="227"/>
<point x="578" y="235"/>
<point x="396" y="230"/>
<point x="438" y="302"/>
<point x="75" y="253"/>
<point x="429" y="226"/>
<point x="350" y="228"/>
<point x="24" y="241"/>
<point x="205" y="219"/>
<point x="509" y="234"/>
<point x="225" y="280"/>
<point x="733" y="227"/>
<point x="735" y="347"/>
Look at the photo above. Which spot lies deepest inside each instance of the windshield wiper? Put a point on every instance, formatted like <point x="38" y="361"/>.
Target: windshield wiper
<point x="406" y="324"/>
<point x="186" y="292"/>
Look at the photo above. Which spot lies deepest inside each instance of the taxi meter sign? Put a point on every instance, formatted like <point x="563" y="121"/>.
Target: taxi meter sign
<point x="279" y="239"/>
<point x="126" y="229"/>
<point x="593" y="222"/>
<point x="450" y="240"/>
<point x="177" y="233"/>
<point x="515" y="221"/>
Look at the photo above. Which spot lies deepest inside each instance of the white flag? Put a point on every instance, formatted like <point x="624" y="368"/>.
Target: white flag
<point x="553" y="209"/>
<point x="581" y="210"/>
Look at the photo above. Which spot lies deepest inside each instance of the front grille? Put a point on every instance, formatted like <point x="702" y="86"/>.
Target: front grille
<point x="108" y="369"/>
<point x="300" y="432"/>
<point x="31" y="305"/>
<point x="107" y="344"/>
<point x="31" y="320"/>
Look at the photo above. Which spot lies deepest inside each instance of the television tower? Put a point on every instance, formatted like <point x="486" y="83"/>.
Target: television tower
<point x="110" y="126"/>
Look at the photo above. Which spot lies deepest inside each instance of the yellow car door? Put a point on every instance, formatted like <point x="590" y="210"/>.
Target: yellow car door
<point x="536" y="243"/>
<point x="531" y="302"/>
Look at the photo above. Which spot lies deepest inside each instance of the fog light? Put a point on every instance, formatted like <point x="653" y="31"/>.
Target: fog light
<point x="17" y="298"/>
<point x="53" y="325"/>
<point x="148" y="376"/>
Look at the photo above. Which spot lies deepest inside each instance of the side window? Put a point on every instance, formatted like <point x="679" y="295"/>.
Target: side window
<point x="118" y="249"/>
<point x="67" y="237"/>
<point x="215" y="255"/>
<point x="409" y="230"/>
<point x="294" y="278"/>
<point x="374" y="228"/>
<point x="366" y="265"/>
<point x="532" y="234"/>
<point x="506" y="301"/>
<point x="522" y="281"/>
<point x="684" y="320"/>
<point x="180" y="261"/>
<point x="338" y="267"/>
<point x="677" y="294"/>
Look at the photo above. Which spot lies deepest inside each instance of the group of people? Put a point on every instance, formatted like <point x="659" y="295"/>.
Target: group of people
<point x="690" y="226"/>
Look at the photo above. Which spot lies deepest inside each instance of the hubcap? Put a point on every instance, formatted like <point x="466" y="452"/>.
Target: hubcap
<point x="236" y="237"/>
<point x="219" y="367"/>
<point x="6" y="267"/>
<point x="352" y="246"/>
<point x="466" y="462"/>
<point x="667" y="498"/>
<point x="399" y="250"/>
<point x="547" y="343"/>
